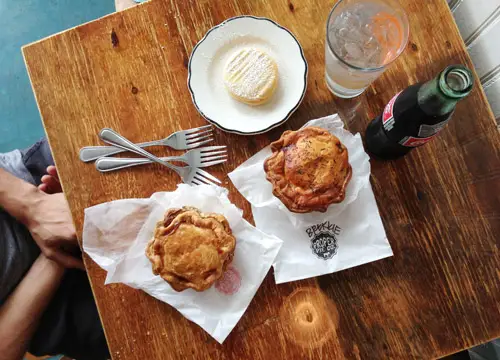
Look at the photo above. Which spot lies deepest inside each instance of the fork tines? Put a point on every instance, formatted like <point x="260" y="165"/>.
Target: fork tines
<point x="213" y="155"/>
<point x="203" y="177"/>
<point x="198" y="136"/>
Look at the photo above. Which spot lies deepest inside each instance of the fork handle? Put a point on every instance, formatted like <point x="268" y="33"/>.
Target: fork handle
<point x="112" y="137"/>
<point x="91" y="153"/>
<point x="106" y="164"/>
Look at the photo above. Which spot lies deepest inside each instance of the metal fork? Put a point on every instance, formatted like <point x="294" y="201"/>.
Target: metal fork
<point x="180" y="140"/>
<point x="202" y="157"/>
<point x="188" y="174"/>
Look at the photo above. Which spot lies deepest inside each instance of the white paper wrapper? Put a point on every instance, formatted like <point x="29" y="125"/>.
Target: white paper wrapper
<point x="116" y="233"/>
<point x="250" y="178"/>
<point x="346" y="235"/>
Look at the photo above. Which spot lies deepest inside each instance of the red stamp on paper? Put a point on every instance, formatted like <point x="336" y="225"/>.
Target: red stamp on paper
<point x="230" y="282"/>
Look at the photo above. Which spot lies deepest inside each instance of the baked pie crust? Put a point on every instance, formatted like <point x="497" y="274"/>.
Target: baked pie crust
<point x="309" y="169"/>
<point x="191" y="249"/>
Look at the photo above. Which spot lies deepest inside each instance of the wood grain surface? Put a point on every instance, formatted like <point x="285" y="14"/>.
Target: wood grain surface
<point x="440" y="204"/>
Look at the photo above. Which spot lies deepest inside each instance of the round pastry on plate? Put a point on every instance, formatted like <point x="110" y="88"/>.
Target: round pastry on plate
<point x="251" y="76"/>
<point x="247" y="75"/>
<point x="191" y="249"/>
<point x="309" y="169"/>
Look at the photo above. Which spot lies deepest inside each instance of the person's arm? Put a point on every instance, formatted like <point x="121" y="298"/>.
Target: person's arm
<point x="20" y="314"/>
<point x="16" y="195"/>
<point x="46" y="216"/>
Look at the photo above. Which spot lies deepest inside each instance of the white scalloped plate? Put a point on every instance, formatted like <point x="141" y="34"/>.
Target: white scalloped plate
<point x="210" y="55"/>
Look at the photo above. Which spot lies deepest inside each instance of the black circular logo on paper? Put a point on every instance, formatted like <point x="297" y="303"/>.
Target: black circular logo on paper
<point x="324" y="245"/>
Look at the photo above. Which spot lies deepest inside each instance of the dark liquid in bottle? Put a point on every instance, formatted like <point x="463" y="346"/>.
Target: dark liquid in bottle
<point x="408" y="117"/>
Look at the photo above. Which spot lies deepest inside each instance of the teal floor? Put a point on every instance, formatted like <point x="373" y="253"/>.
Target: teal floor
<point x="22" y="22"/>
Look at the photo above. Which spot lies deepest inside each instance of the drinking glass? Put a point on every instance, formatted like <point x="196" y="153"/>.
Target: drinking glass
<point x="362" y="38"/>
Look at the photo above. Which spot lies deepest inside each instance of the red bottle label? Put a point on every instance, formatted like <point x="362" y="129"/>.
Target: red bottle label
<point x="429" y="131"/>
<point x="411" y="141"/>
<point x="388" y="115"/>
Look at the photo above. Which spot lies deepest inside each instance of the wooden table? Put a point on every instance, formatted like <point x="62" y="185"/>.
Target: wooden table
<point x="440" y="205"/>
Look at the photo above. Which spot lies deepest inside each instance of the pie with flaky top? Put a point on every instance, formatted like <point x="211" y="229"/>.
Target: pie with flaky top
<point x="309" y="169"/>
<point x="191" y="249"/>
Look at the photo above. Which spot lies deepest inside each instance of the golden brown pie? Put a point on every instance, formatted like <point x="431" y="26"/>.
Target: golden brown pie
<point x="191" y="249"/>
<point x="309" y="169"/>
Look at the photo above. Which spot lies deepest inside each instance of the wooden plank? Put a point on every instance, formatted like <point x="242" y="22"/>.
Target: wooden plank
<point x="440" y="204"/>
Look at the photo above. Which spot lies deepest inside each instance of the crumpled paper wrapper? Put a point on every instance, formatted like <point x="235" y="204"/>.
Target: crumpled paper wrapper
<point x="346" y="235"/>
<point x="116" y="233"/>
<point x="250" y="178"/>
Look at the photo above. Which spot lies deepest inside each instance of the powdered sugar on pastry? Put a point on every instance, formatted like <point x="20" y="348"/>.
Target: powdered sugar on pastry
<point x="251" y="76"/>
